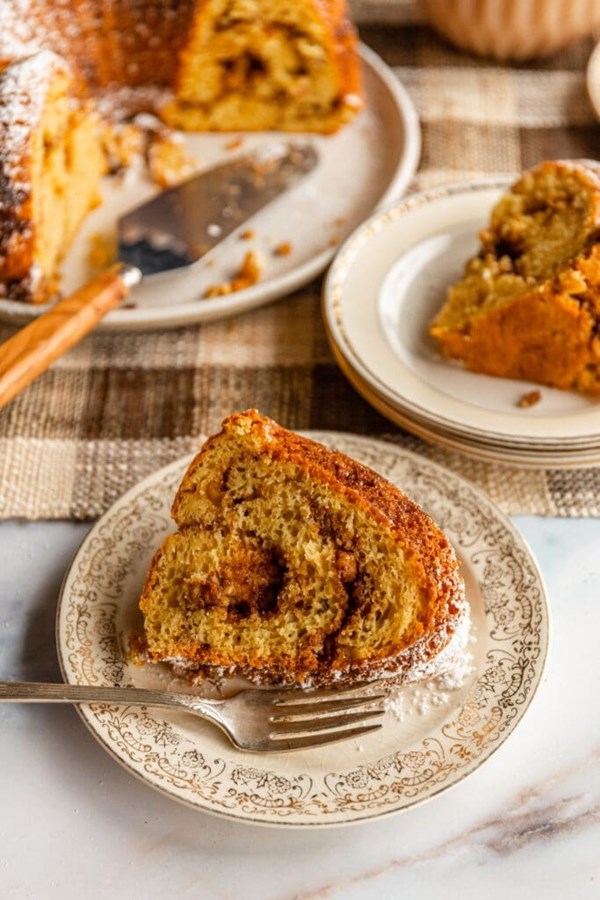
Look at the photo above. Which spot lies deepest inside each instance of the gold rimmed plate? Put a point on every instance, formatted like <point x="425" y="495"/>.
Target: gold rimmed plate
<point x="384" y="287"/>
<point x="480" y="450"/>
<point x="422" y="749"/>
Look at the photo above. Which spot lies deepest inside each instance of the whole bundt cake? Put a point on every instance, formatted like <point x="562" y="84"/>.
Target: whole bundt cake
<point x="295" y="564"/>
<point x="528" y="304"/>
<point x="198" y="64"/>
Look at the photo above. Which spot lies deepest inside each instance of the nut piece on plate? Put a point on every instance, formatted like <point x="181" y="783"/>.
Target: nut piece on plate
<point x="531" y="398"/>
<point x="283" y="249"/>
<point x="294" y="564"/>
<point x="123" y="142"/>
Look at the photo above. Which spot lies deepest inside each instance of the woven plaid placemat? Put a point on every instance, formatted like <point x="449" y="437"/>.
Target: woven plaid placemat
<point x="121" y="405"/>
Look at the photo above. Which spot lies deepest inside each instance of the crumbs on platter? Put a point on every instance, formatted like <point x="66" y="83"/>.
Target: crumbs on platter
<point x="529" y="399"/>
<point x="168" y="161"/>
<point x="283" y="249"/>
<point x="250" y="273"/>
<point x="102" y="251"/>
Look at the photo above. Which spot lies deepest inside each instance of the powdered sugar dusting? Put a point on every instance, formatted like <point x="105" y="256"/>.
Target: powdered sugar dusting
<point x="23" y="88"/>
<point x="124" y="102"/>
<point x="16" y="29"/>
<point x="456" y="666"/>
<point x="28" y="26"/>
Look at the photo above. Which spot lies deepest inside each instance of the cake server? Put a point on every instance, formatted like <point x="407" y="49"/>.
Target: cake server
<point x="176" y="228"/>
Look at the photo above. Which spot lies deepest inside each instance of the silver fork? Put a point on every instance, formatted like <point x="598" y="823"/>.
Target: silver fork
<point x="258" y="720"/>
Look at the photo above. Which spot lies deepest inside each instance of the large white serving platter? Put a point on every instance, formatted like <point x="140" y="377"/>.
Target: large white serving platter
<point x="366" y="164"/>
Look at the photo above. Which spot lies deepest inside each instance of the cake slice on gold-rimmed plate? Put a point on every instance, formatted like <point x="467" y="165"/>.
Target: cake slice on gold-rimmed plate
<point x="528" y="304"/>
<point x="386" y="285"/>
<point x="295" y="564"/>
<point x="435" y="732"/>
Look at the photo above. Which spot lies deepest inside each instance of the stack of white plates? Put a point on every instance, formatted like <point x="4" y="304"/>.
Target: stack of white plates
<point x="384" y="287"/>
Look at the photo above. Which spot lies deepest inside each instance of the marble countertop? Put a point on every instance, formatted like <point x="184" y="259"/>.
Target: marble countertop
<point x="527" y="823"/>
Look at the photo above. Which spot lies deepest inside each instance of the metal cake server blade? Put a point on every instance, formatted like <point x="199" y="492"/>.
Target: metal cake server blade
<point x="180" y="225"/>
<point x="176" y="228"/>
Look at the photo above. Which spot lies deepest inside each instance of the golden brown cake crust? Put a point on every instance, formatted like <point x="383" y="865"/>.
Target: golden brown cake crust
<point x="428" y="557"/>
<point x="115" y="43"/>
<point x="546" y="328"/>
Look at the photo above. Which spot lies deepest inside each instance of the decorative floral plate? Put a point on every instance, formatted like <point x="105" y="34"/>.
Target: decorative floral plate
<point x="434" y="734"/>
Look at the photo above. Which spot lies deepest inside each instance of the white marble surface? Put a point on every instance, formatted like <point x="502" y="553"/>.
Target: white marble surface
<point x="526" y="824"/>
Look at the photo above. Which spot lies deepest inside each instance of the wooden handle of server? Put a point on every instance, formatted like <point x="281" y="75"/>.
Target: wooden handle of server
<point x="32" y="349"/>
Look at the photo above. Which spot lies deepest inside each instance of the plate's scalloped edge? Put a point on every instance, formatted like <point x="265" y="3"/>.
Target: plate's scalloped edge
<point x="154" y="749"/>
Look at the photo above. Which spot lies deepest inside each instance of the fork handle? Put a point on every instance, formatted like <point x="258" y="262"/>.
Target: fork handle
<point x="38" y="692"/>
<point x="31" y="350"/>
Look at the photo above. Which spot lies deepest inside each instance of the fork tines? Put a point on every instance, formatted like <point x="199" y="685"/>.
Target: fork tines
<point x="322" y="717"/>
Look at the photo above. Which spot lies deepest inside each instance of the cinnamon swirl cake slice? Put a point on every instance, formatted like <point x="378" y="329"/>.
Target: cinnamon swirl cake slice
<point x="295" y="564"/>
